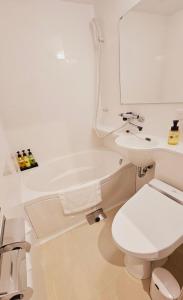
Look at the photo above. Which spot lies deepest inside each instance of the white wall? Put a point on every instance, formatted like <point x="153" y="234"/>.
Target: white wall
<point x="158" y="117"/>
<point x="6" y="166"/>
<point x="47" y="76"/>
<point x="4" y="151"/>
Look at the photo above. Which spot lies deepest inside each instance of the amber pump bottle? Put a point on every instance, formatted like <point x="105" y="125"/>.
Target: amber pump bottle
<point x="174" y="134"/>
<point x="26" y="159"/>
<point x="20" y="161"/>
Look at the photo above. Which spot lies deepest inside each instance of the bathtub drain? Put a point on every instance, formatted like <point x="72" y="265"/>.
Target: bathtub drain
<point x="96" y="216"/>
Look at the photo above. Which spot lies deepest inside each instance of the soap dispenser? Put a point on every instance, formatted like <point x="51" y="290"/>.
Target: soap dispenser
<point x="174" y="134"/>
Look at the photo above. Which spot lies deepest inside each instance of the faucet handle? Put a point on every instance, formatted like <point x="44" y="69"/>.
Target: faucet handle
<point x="127" y="113"/>
<point x="128" y="116"/>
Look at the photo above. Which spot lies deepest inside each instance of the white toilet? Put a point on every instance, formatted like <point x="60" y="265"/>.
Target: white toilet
<point x="149" y="227"/>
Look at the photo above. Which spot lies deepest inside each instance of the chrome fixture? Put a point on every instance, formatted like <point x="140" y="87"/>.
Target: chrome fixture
<point x="142" y="171"/>
<point x="13" y="270"/>
<point x="129" y="116"/>
<point x="96" y="216"/>
<point x="140" y="128"/>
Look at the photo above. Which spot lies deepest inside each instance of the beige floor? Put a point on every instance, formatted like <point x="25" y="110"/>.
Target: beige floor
<point x="84" y="264"/>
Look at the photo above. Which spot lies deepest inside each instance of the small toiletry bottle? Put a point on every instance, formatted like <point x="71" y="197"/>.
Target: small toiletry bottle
<point x="31" y="158"/>
<point x="20" y="161"/>
<point x="174" y="134"/>
<point x="26" y="159"/>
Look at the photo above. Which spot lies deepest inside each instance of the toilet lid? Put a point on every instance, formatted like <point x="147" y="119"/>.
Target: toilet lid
<point x="149" y="225"/>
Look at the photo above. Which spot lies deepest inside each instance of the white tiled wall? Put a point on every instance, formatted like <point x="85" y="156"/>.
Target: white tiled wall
<point x="47" y="75"/>
<point x="3" y="150"/>
<point x="47" y="87"/>
<point x="6" y="166"/>
<point x="47" y="78"/>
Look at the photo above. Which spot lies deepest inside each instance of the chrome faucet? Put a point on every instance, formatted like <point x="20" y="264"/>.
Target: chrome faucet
<point x="129" y="116"/>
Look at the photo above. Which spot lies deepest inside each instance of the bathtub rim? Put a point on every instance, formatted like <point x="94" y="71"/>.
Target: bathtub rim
<point x="29" y="194"/>
<point x="71" y="154"/>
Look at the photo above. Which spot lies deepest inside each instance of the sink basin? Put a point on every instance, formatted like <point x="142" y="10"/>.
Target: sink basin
<point x="139" y="148"/>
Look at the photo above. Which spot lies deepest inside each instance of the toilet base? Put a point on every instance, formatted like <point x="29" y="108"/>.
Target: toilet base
<point x="140" y="268"/>
<point x="137" y="267"/>
<point x="159" y="263"/>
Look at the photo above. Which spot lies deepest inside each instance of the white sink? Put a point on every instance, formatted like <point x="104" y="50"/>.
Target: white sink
<point x="139" y="148"/>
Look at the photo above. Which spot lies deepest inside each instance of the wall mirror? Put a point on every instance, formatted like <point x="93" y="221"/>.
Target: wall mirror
<point x="151" y="53"/>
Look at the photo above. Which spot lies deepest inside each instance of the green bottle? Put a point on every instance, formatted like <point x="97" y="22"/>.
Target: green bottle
<point x="32" y="160"/>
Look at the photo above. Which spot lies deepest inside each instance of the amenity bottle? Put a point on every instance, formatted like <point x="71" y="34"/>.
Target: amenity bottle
<point x="31" y="158"/>
<point x="20" y="161"/>
<point x="26" y="159"/>
<point x="174" y="134"/>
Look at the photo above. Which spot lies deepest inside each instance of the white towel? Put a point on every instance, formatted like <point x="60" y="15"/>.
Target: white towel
<point x="81" y="198"/>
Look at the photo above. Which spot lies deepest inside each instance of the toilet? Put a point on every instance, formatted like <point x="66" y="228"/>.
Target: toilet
<point x="149" y="227"/>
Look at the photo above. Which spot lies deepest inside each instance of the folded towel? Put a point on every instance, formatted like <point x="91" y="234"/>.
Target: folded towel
<point x="81" y="198"/>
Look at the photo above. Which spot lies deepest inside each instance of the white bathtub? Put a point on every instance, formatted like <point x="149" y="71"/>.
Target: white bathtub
<point x="73" y="171"/>
<point x="42" y="186"/>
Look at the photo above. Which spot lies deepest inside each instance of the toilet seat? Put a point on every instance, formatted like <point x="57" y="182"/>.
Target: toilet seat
<point x="149" y="225"/>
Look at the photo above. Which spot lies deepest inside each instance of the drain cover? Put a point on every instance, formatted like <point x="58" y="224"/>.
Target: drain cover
<point x="96" y="216"/>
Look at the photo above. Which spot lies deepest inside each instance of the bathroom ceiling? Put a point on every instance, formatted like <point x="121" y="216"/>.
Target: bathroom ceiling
<point x="165" y="7"/>
<point x="80" y="1"/>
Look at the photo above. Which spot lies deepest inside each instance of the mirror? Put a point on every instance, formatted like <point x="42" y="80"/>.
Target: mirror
<point x="151" y="52"/>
